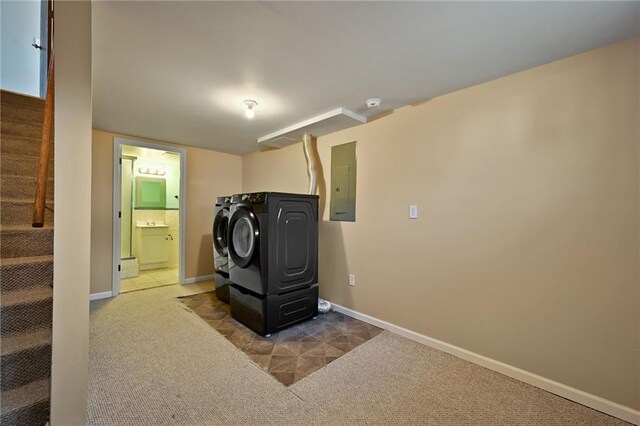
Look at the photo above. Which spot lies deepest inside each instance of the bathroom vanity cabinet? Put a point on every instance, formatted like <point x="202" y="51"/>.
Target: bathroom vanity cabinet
<point x="151" y="246"/>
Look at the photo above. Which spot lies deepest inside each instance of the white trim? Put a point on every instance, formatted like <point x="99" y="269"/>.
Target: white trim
<point x="612" y="408"/>
<point x="194" y="280"/>
<point x="115" y="249"/>
<point x="117" y="177"/>
<point x="98" y="296"/>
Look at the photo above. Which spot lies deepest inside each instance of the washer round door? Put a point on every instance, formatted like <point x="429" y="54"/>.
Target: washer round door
<point x="243" y="236"/>
<point x="221" y="232"/>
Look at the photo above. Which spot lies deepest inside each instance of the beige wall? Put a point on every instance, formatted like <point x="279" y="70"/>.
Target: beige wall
<point x="72" y="238"/>
<point x="526" y="246"/>
<point x="209" y="174"/>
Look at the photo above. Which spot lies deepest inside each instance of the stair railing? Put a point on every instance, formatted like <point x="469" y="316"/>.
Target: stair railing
<point x="39" y="204"/>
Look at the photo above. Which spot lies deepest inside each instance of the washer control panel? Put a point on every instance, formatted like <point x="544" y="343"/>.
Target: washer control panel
<point x="256" y="197"/>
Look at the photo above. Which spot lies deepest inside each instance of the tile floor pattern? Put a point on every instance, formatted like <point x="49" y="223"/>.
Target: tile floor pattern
<point x="150" y="279"/>
<point x="292" y="354"/>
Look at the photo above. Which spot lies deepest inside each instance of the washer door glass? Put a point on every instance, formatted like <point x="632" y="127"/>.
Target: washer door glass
<point x="243" y="237"/>
<point x="220" y="231"/>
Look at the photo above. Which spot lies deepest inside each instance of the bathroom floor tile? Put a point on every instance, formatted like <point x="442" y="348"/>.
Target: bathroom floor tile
<point x="143" y="279"/>
<point x="163" y="274"/>
<point x="148" y="285"/>
<point x="127" y="285"/>
<point x="156" y="273"/>
<point x="292" y="354"/>
<point x="150" y="279"/>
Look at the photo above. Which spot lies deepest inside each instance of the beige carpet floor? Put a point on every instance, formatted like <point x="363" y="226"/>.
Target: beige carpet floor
<point x="154" y="362"/>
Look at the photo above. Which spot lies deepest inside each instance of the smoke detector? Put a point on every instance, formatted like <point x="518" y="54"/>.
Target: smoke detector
<point x="373" y="102"/>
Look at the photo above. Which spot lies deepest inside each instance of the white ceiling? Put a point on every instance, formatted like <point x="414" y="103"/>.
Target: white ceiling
<point x="151" y="154"/>
<point x="178" y="71"/>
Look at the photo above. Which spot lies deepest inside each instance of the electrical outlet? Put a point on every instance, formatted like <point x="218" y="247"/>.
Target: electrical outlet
<point x="352" y="280"/>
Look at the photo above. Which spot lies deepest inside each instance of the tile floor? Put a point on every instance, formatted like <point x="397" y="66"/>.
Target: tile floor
<point x="292" y="354"/>
<point x="150" y="279"/>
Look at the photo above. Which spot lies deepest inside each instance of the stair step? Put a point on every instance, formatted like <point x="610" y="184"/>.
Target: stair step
<point x="25" y="341"/>
<point x="26" y="266"/>
<point x="14" y="187"/>
<point x="20" y="101"/>
<point x="25" y="358"/>
<point x="20" y="212"/>
<point x="22" y="146"/>
<point x="10" y="128"/>
<point x="22" y="273"/>
<point x="25" y="311"/>
<point x="25" y="241"/>
<point x="26" y="405"/>
<point x="21" y="115"/>
<point x="21" y="165"/>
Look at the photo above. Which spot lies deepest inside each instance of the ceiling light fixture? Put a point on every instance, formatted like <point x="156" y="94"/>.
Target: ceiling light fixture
<point x="151" y="171"/>
<point x="249" y="112"/>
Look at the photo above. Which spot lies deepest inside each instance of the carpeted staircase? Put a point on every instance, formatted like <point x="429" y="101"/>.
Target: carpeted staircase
<point x="26" y="267"/>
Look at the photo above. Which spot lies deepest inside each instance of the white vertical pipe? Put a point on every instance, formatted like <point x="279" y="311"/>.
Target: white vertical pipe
<point x="308" y="145"/>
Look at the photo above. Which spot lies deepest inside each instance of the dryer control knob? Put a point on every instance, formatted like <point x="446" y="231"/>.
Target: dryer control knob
<point x="245" y="197"/>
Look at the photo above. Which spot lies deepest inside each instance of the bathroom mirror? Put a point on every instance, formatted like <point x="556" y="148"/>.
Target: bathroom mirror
<point x="151" y="192"/>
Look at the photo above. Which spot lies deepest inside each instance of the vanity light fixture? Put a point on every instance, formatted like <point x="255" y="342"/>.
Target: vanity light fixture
<point x="148" y="171"/>
<point x="249" y="112"/>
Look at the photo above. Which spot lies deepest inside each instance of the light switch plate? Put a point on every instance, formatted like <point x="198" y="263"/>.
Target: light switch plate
<point x="413" y="211"/>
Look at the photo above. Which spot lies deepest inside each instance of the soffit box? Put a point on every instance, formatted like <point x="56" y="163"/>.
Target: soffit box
<point x="320" y="125"/>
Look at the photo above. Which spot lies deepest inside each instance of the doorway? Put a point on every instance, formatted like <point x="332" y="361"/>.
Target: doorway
<point x="148" y="225"/>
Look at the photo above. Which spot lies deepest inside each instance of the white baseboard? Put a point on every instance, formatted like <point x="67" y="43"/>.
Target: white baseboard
<point x="194" y="280"/>
<point x="612" y="408"/>
<point x="103" y="295"/>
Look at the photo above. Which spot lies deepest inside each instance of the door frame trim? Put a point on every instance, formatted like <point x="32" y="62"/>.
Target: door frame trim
<point x="117" y="184"/>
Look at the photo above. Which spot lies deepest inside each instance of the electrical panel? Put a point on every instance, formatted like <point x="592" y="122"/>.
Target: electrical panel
<point x="343" y="182"/>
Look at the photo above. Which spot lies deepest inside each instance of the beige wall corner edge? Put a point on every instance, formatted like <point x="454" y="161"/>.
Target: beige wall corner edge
<point x="72" y="221"/>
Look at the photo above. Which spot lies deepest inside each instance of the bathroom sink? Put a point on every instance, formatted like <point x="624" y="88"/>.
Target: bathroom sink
<point x="151" y="225"/>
